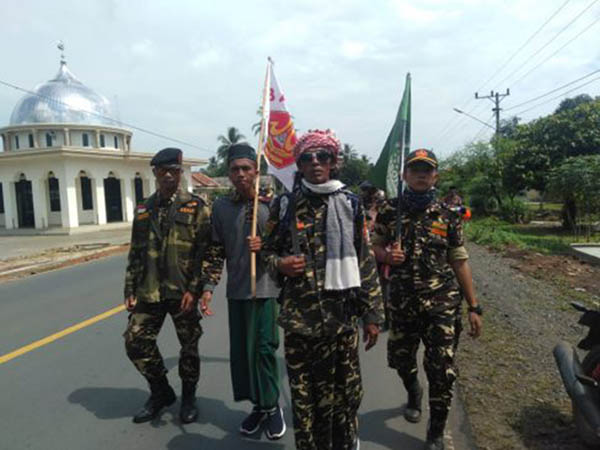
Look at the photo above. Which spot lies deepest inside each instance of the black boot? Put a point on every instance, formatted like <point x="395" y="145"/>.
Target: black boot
<point x="161" y="396"/>
<point x="435" y="437"/>
<point x="188" y="412"/>
<point x="412" y="412"/>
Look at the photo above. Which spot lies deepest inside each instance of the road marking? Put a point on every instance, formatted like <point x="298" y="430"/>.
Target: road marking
<point x="60" y="334"/>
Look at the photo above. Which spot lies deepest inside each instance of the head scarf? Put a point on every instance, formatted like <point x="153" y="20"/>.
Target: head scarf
<point x="317" y="139"/>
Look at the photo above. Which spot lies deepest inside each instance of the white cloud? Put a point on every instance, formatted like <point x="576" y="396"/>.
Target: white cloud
<point x="144" y="48"/>
<point x="206" y="55"/>
<point x="353" y="49"/>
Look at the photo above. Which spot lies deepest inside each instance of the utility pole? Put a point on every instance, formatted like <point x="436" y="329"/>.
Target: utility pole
<point x="496" y="98"/>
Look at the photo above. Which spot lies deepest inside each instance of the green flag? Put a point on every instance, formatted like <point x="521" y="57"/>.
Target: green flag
<point x="385" y="173"/>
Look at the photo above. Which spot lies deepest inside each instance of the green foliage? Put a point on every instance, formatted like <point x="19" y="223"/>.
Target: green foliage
<point x="353" y="168"/>
<point x="499" y="235"/>
<point x="577" y="181"/>
<point x="217" y="165"/>
<point x="513" y="211"/>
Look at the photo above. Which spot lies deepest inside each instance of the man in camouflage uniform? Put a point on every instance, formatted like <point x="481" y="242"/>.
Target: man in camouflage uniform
<point x="169" y="232"/>
<point x="424" y="303"/>
<point x="318" y="243"/>
<point x="253" y="333"/>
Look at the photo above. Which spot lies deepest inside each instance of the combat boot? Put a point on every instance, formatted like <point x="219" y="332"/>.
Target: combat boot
<point x="161" y="396"/>
<point x="412" y="413"/>
<point x="435" y="437"/>
<point x="188" y="412"/>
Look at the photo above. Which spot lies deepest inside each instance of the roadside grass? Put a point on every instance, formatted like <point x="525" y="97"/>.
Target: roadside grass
<point x="535" y="206"/>
<point x="498" y="235"/>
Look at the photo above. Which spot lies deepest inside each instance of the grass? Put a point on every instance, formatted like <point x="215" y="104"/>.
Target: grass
<point x="499" y="235"/>
<point x="551" y="207"/>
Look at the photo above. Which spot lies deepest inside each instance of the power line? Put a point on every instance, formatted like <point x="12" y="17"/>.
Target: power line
<point x="559" y="96"/>
<point x="553" y="90"/>
<point x="525" y="44"/>
<point x="557" y="51"/>
<point x="451" y="124"/>
<point x="537" y="52"/>
<point x="117" y="122"/>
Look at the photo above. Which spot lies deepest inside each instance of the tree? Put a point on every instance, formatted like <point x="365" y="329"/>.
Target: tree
<point x="573" y="102"/>
<point x="577" y="181"/>
<point x="233" y="136"/>
<point x="353" y="168"/>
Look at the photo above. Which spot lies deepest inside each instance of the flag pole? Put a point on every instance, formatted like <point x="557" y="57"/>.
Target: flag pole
<point x="261" y="140"/>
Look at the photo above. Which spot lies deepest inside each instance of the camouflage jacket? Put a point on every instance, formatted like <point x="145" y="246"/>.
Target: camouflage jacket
<point x="167" y="247"/>
<point x="306" y="307"/>
<point x="428" y="238"/>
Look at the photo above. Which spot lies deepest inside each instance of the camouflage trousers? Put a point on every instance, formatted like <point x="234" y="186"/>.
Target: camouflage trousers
<point x="142" y="330"/>
<point x="435" y="320"/>
<point x="326" y="387"/>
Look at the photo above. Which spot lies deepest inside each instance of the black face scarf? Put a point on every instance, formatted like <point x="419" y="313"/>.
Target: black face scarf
<point x="418" y="201"/>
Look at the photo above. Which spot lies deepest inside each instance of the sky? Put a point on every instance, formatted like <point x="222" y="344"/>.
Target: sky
<point x="191" y="69"/>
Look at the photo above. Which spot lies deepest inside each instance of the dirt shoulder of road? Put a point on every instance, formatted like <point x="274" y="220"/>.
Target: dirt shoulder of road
<point x="508" y="382"/>
<point x="57" y="258"/>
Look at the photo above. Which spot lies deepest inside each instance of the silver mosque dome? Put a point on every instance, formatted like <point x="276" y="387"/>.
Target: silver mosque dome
<point x="64" y="99"/>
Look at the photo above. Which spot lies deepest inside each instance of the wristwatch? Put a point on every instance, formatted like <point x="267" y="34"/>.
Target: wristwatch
<point x="477" y="309"/>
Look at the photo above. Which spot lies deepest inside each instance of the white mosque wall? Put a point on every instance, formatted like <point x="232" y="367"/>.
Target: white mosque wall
<point x="68" y="171"/>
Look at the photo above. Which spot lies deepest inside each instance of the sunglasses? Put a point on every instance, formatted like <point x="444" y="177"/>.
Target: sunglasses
<point x="323" y="157"/>
<point x="172" y="170"/>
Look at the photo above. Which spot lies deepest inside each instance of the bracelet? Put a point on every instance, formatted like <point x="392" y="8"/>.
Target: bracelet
<point x="477" y="309"/>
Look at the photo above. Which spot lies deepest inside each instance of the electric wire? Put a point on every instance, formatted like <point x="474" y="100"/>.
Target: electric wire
<point x="553" y="90"/>
<point x="559" y="96"/>
<point x="557" y="51"/>
<point x="543" y="47"/>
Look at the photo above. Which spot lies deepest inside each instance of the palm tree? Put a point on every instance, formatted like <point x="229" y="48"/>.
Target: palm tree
<point x="233" y="136"/>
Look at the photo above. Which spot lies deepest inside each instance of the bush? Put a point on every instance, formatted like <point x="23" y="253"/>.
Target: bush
<point x="513" y="211"/>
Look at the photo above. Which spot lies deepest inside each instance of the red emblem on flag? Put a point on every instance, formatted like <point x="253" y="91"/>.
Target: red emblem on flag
<point x="281" y="140"/>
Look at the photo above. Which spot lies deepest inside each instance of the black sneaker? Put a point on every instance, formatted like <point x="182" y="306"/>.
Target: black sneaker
<point x="252" y="423"/>
<point x="275" y="424"/>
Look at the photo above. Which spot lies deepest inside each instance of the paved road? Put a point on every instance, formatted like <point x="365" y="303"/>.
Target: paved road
<point x="80" y="391"/>
<point x="23" y="246"/>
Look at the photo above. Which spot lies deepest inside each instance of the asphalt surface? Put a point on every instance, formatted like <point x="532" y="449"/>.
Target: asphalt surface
<point x="80" y="391"/>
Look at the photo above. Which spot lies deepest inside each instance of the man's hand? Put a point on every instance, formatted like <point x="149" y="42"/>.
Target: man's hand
<point x="187" y="302"/>
<point x="292" y="266"/>
<point x="130" y="302"/>
<point x="205" y="303"/>
<point x="370" y="334"/>
<point x="476" y="324"/>
<point x="395" y="255"/>
<point x="254" y="244"/>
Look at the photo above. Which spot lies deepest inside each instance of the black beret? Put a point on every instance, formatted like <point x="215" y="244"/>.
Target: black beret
<point x="239" y="151"/>
<point x="421" y="154"/>
<point x="167" y="157"/>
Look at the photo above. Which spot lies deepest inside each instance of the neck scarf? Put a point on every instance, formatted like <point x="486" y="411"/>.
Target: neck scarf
<point x="418" y="201"/>
<point x="341" y="269"/>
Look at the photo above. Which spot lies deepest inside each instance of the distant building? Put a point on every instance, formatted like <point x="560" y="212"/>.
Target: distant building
<point x="66" y="163"/>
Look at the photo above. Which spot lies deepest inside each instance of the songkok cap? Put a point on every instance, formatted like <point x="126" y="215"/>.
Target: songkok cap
<point x="168" y="157"/>
<point x="421" y="154"/>
<point x="317" y="139"/>
<point x="241" y="151"/>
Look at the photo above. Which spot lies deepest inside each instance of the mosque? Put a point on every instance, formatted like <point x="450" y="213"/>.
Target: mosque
<point x="67" y="166"/>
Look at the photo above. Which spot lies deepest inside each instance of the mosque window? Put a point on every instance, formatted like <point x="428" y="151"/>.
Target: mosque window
<point x="102" y="141"/>
<point x="54" y="194"/>
<point x="30" y="137"/>
<point x="85" y="139"/>
<point x="17" y="142"/>
<point x="86" y="194"/>
<point x="1" y="200"/>
<point x="116" y="142"/>
<point x="139" y="190"/>
<point x="48" y="140"/>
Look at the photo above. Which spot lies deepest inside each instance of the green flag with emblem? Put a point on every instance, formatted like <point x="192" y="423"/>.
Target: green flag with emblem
<point x="385" y="173"/>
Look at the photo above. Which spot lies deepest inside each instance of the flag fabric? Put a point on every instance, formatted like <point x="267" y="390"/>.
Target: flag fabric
<point x="281" y="137"/>
<point x="386" y="172"/>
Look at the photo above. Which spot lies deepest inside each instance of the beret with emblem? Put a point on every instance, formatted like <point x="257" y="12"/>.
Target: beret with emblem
<point x="167" y="157"/>
<point x="423" y="155"/>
